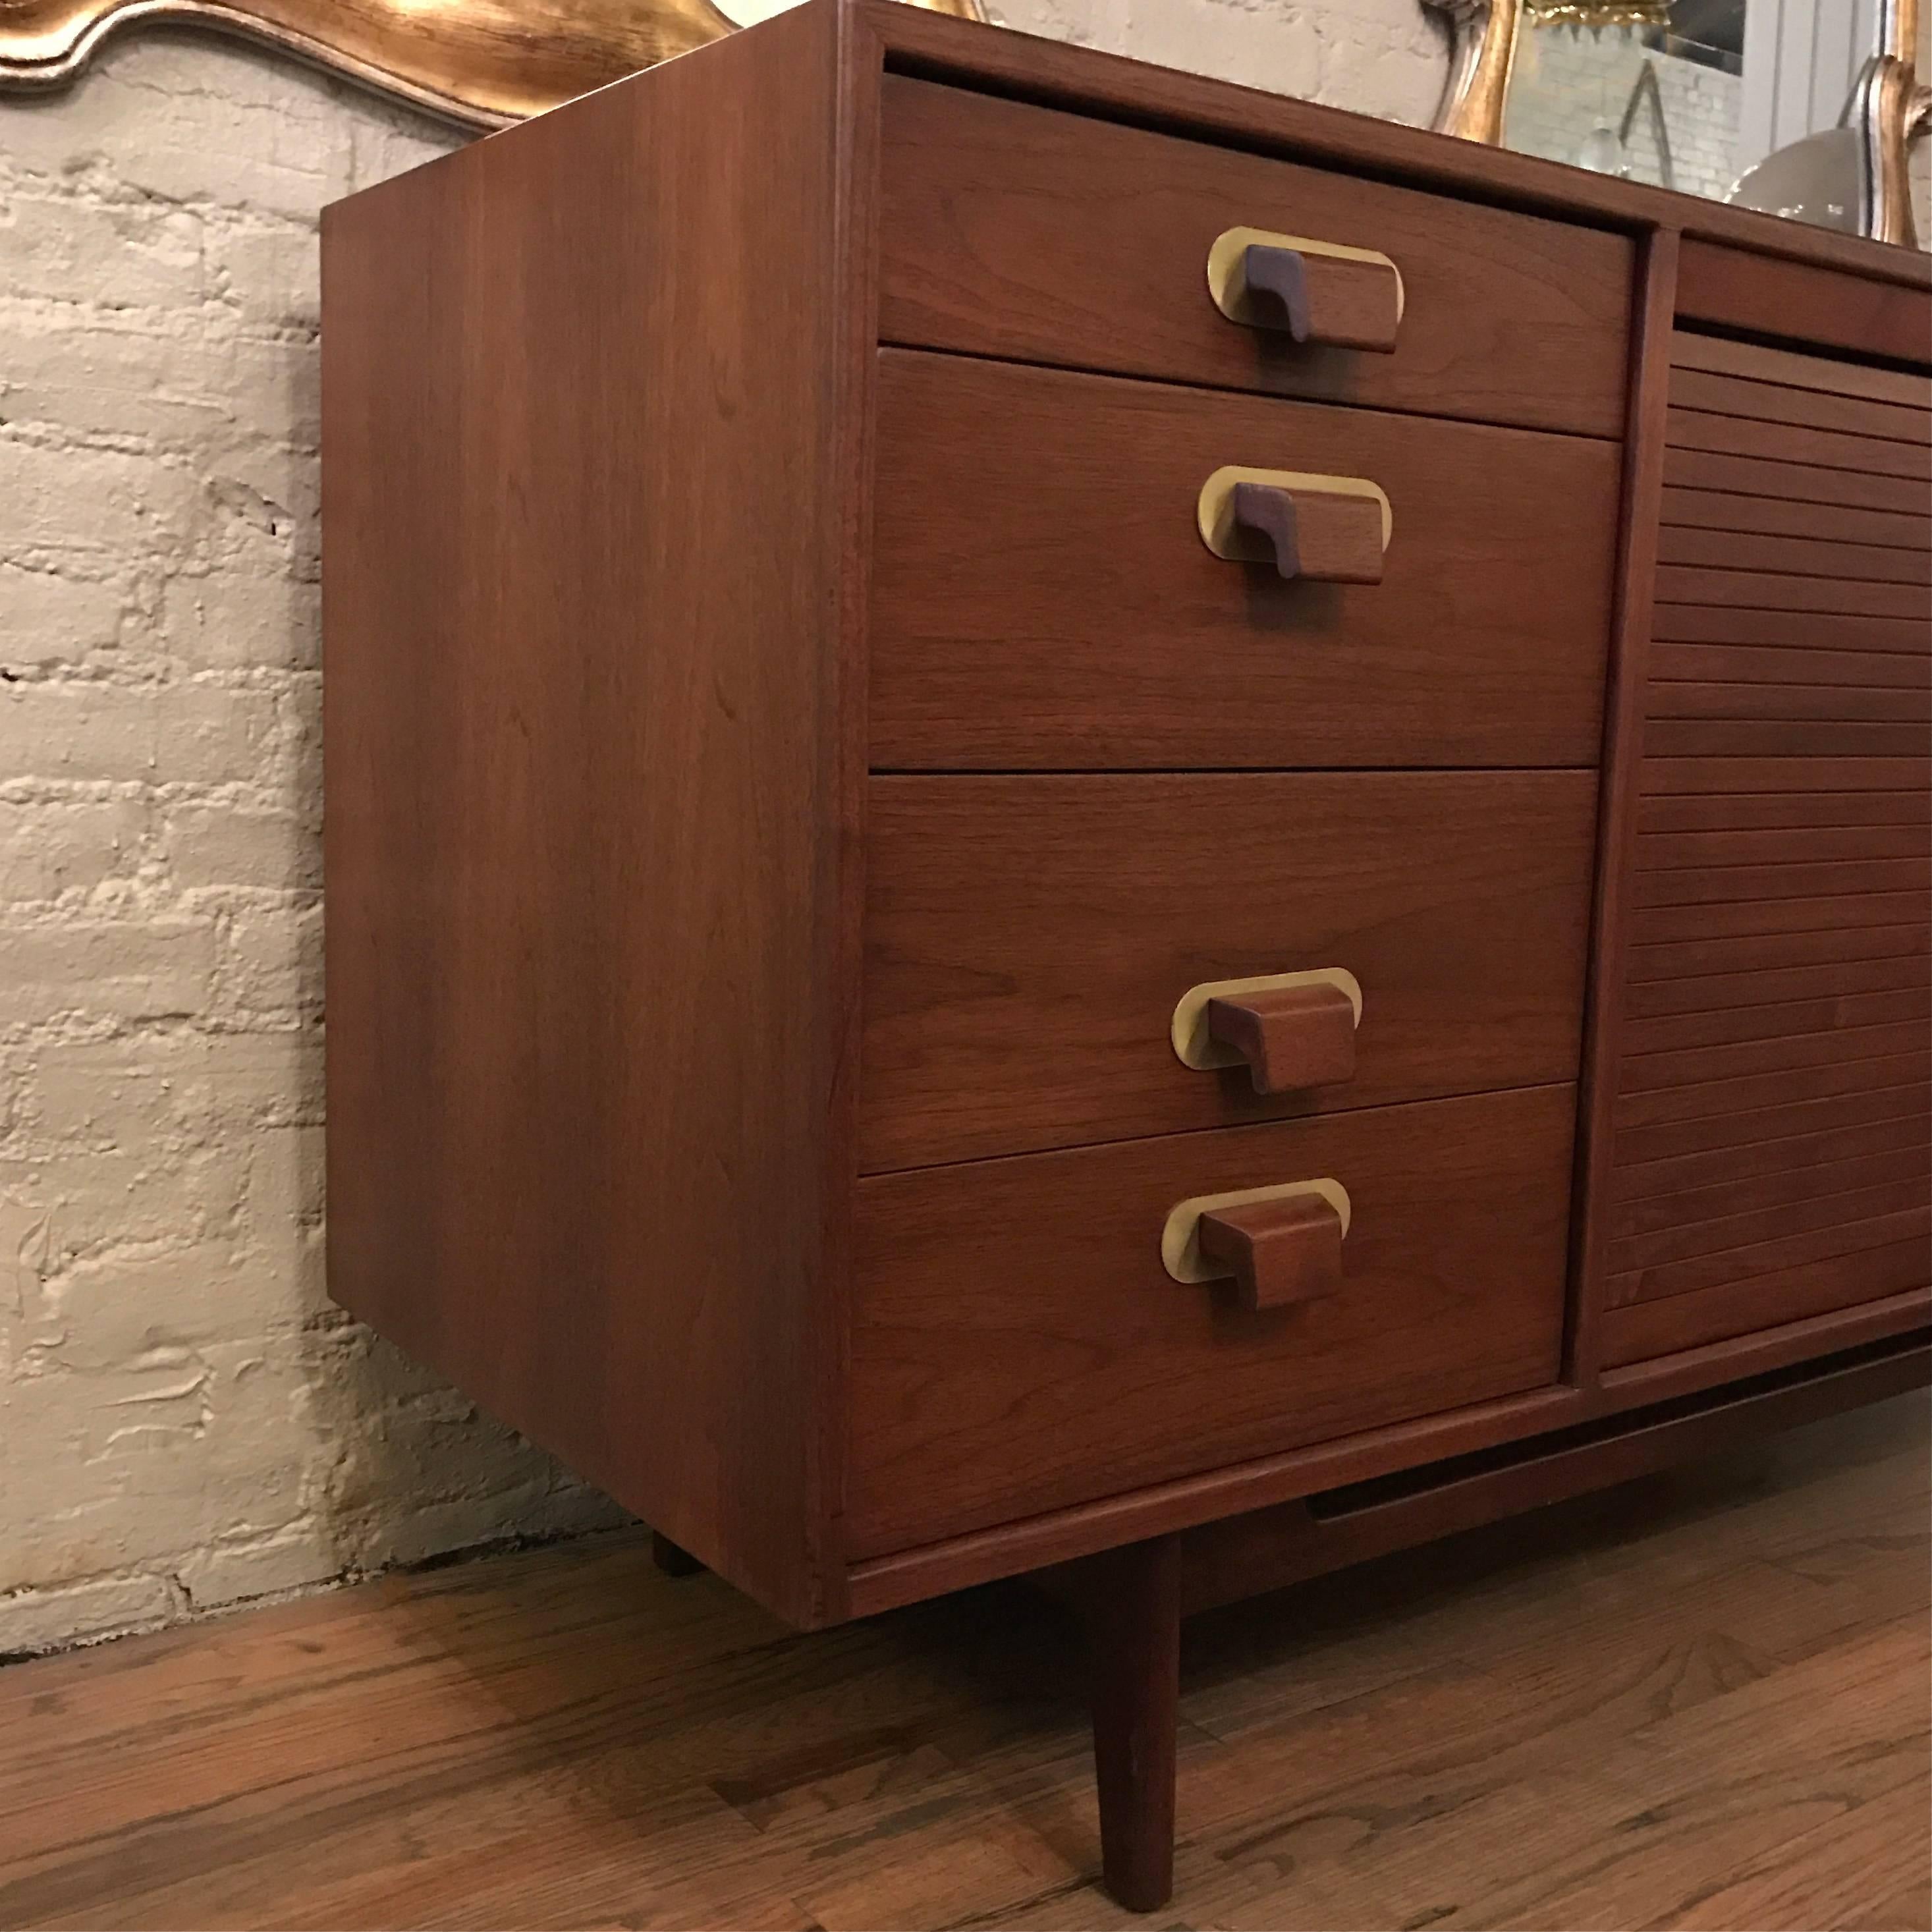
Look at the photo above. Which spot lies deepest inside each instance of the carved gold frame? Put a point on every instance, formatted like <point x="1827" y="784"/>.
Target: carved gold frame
<point x="480" y="63"/>
<point x="1888" y="107"/>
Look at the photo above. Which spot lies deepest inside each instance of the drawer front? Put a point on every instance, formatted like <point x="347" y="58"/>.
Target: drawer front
<point x="1028" y="938"/>
<point x="1015" y="231"/>
<point x="1771" y="1158"/>
<point x="1018" y="1346"/>
<point x="1043" y="597"/>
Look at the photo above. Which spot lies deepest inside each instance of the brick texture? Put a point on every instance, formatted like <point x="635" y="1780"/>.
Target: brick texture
<point x="185" y="1422"/>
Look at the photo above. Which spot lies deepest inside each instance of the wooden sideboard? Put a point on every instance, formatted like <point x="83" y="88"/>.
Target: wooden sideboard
<point x="892" y="741"/>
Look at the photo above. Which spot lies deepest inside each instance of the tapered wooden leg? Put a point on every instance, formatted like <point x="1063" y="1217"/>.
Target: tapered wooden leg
<point x="1133" y="1602"/>
<point x="673" y="1560"/>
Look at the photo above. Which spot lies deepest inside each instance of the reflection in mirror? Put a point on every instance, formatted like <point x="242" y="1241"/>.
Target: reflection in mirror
<point x="1802" y="108"/>
<point x="1653" y="92"/>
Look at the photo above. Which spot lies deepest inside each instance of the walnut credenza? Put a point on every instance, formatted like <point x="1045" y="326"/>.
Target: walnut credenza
<point x="1079" y="822"/>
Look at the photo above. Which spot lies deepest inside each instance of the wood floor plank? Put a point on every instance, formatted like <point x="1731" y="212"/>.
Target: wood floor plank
<point x="569" y="1738"/>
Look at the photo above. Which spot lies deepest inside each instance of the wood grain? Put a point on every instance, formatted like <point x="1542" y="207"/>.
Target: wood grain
<point x="991" y="1380"/>
<point x="1803" y="404"/>
<point x="1012" y="231"/>
<point x="1688" y="467"/>
<point x="1756" y="295"/>
<point x="1835" y="703"/>
<point x="1779" y="442"/>
<point x="1822" y="375"/>
<point x="588" y="1104"/>
<point x="1028" y="938"/>
<point x="1793" y="878"/>
<point x="1771" y="1114"/>
<point x="1074" y="618"/>
<point x="1732" y="774"/>
<point x="1720" y="811"/>
<point x="1900" y="673"/>
<point x="1715" y="1025"/>
<point x="1765" y="590"/>
<point x="1228" y="1561"/>
<point x="1695" y="1252"/>
<point x="1792" y="1281"/>
<point x="1770" y="516"/>
<point x="1759" y="952"/>
<point x="1743" y="992"/>
<point x="1133" y="1614"/>
<point x="1833" y="1170"/>
<point x="1810" y="552"/>
<point x="1811" y="630"/>
<point x="1738" y="1133"/>
<point x="1629" y="674"/>
<point x="1798" y="1139"/>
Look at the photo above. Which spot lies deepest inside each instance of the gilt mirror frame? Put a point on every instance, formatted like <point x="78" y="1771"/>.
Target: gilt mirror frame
<point x="1889" y="108"/>
<point x="482" y="64"/>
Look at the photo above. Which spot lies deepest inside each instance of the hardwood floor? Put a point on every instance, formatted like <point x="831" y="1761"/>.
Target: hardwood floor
<point x="1698" y="1702"/>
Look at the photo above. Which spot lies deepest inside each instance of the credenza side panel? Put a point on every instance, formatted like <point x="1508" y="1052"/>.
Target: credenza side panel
<point x="585" y="511"/>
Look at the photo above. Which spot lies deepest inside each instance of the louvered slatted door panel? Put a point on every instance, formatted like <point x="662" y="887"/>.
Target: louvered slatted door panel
<point x="1772" y="1157"/>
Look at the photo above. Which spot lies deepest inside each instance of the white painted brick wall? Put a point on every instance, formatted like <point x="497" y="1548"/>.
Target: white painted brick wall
<point x="184" y="1421"/>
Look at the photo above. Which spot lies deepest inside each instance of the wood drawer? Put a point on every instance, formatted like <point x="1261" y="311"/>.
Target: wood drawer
<point x="1018" y="1346"/>
<point x="1012" y="230"/>
<point x="1028" y="938"/>
<point x="1043" y="597"/>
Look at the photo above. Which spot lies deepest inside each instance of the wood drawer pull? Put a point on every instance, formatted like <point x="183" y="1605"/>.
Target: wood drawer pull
<point x="1309" y="1045"/>
<point x="1332" y="530"/>
<point x="1279" y="1245"/>
<point x="1278" y="1252"/>
<point x="1290" y="1036"/>
<point x="1312" y="291"/>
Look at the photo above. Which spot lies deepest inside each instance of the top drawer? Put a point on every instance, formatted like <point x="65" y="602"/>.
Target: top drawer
<point x="1015" y="231"/>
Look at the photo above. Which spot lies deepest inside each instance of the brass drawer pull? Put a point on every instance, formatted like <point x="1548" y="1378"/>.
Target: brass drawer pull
<point x="1293" y="1029"/>
<point x="1313" y="292"/>
<point x="1278" y="1245"/>
<point x="1333" y="530"/>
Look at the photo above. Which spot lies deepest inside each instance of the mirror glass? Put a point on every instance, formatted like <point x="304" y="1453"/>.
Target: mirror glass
<point x="1740" y="100"/>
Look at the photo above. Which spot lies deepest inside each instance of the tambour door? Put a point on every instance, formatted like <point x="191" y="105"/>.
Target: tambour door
<point x="1770" y="1120"/>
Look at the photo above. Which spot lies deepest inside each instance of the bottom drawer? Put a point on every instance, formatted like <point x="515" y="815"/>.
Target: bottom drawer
<point x="1018" y="1345"/>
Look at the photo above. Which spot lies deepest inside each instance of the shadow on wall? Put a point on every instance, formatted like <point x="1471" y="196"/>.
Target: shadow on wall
<point x="184" y="1421"/>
